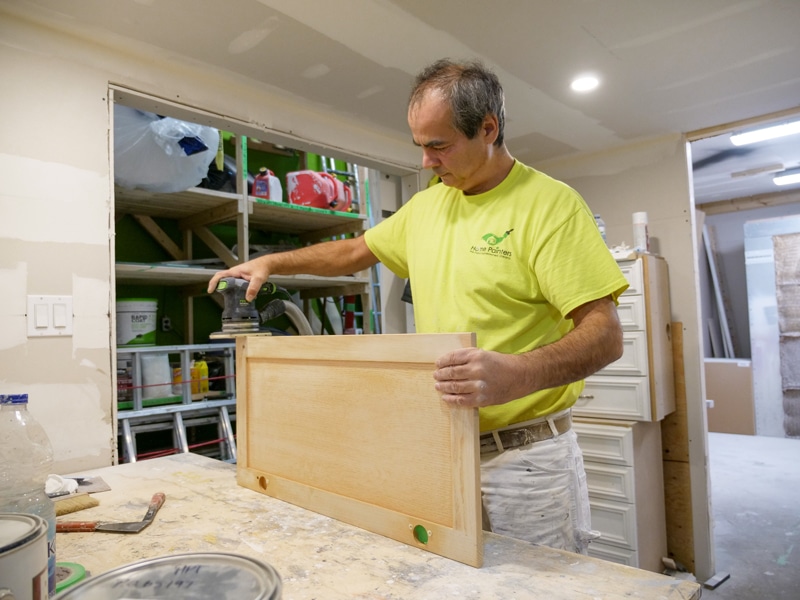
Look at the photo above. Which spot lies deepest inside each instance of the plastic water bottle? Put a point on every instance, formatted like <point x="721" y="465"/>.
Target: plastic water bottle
<point x="601" y="225"/>
<point x="26" y="457"/>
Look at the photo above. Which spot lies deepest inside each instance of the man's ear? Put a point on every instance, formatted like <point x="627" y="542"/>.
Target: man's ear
<point x="490" y="129"/>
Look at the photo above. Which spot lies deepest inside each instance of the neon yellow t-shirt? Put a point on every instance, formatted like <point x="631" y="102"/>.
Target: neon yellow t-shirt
<point x="506" y="264"/>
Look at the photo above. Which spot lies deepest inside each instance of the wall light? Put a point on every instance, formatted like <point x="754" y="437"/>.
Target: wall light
<point x="787" y="177"/>
<point x="765" y="133"/>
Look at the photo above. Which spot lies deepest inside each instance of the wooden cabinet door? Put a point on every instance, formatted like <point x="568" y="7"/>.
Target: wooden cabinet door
<point x="351" y="427"/>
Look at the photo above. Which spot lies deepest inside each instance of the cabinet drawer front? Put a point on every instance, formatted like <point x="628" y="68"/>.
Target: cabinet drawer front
<point x="634" y="356"/>
<point x="631" y="313"/>
<point x="614" y="398"/>
<point x="616" y="522"/>
<point x="610" y="444"/>
<point x="622" y="556"/>
<point x="632" y="270"/>
<point x="610" y="482"/>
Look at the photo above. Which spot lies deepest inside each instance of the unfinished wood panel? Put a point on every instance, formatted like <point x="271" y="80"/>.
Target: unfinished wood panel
<point x="675" y="426"/>
<point x="677" y="475"/>
<point x="729" y="384"/>
<point x="678" y="497"/>
<point x="351" y="427"/>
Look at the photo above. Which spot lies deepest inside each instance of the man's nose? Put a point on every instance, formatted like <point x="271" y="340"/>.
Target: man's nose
<point x="429" y="159"/>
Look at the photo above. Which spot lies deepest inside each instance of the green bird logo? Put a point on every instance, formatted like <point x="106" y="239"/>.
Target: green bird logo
<point x="492" y="239"/>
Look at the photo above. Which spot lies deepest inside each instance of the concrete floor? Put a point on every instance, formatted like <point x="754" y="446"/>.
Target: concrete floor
<point x="755" y="488"/>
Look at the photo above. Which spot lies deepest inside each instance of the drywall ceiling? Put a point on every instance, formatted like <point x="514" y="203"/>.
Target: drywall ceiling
<point x="665" y="66"/>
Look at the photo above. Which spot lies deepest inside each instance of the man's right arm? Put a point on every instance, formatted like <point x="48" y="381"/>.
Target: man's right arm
<point x="326" y="259"/>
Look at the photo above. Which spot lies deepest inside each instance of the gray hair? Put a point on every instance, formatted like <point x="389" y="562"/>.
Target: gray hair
<point x="471" y="89"/>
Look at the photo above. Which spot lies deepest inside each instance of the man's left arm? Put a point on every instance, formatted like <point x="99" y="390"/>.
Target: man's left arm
<point x="473" y="377"/>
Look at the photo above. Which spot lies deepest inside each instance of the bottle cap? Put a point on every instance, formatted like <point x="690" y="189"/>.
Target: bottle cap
<point x="13" y="398"/>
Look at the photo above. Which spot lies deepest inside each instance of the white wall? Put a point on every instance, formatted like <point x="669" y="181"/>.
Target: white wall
<point x="653" y="176"/>
<point x="56" y="205"/>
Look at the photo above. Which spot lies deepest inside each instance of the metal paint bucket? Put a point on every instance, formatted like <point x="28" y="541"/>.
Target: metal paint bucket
<point x="193" y="576"/>
<point x="23" y="556"/>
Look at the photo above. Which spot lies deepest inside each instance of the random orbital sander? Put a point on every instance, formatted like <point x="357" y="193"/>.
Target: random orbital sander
<point x="238" y="315"/>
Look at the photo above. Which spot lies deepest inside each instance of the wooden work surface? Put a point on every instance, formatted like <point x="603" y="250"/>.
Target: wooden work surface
<point x="321" y="558"/>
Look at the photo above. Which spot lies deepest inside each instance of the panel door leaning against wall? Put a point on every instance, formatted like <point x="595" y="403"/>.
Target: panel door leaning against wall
<point x="772" y="255"/>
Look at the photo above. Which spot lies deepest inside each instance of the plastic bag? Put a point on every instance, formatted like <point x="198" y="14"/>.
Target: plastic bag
<point x="160" y="155"/>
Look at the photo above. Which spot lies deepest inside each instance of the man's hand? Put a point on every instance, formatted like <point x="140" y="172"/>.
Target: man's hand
<point x="472" y="377"/>
<point x="254" y="271"/>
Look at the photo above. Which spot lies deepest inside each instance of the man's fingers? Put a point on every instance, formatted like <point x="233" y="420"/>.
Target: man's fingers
<point x="454" y="358"/>
<point x="212" y="285"/>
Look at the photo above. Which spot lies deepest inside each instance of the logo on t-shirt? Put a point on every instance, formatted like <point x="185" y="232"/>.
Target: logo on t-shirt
<point x="490" y="245"/>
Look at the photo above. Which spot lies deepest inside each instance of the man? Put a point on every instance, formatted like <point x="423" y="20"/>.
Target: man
<point x="504" y="251"/>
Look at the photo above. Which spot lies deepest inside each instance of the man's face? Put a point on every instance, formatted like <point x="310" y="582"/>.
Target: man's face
<point x="459" y="162"/>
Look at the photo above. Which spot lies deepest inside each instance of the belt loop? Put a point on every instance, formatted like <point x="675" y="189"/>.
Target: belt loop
<point x="497" y="441"/>
<point x="553" y="429"/>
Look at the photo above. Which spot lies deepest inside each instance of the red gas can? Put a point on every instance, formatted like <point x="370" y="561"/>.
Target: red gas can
<point x="320" y="190"/>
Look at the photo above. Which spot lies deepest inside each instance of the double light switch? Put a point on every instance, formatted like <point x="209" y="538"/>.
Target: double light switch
<point x="49" y="316"/>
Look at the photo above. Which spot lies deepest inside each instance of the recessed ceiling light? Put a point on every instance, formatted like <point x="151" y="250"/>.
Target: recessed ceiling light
<point x="787" y="177"/>
<point x="584" y="83"/>
<point x="765" y="133"/>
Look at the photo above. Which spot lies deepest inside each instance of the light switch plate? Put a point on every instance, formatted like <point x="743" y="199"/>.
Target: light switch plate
<point x="49" y="316"/>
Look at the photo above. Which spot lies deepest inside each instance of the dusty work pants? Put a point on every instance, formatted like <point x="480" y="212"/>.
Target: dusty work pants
<point x="538" y="493"/>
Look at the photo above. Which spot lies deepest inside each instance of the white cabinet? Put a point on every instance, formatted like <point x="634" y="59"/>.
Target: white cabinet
<point x="626" y="490"/>
<point x="639" y="386"/>
<point x="618" y="424"/>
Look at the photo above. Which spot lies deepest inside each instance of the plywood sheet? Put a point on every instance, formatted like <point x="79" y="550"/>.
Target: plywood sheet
<point x="351" y="427"/>
<point x="729" y="383"/>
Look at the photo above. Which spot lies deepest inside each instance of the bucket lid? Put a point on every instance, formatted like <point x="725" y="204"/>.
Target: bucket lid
<point x="192" y="576"/>
<point x="17" y="529"/>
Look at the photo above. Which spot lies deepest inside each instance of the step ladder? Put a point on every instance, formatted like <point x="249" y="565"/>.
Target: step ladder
<point x="182" y="411"/>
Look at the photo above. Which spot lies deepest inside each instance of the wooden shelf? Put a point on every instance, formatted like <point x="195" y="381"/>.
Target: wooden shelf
<point x="176" y="275"/>
<point x="191" y="204"/>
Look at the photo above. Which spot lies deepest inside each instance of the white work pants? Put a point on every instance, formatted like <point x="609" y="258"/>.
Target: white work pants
<point x="538" y="493"/>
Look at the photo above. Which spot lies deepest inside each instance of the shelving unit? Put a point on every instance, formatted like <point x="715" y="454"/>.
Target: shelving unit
<point x="197" y="209"/>
<point x="195" y="212"/>
<point x="180" y="408"/>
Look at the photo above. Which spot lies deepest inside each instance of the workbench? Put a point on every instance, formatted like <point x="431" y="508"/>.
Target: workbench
<point x="319" y="557"/>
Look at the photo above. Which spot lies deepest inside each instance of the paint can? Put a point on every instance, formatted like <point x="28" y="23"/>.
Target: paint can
<point x="192" y="576"/>
<point x="136" y="322"/>
<point x="23" y="556"/>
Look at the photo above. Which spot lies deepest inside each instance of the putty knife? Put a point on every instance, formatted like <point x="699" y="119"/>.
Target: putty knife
<point x="135" y="527"/>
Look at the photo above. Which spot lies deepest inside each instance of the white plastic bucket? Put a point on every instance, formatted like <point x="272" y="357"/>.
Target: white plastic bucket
<point x="23" y="555"/>
<point x="136" y="322"/>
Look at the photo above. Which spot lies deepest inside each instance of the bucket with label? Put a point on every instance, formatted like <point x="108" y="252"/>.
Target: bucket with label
<point x="199" y="576"/>
<point x="136" y="322"/>
<point x="23" y="556"/>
